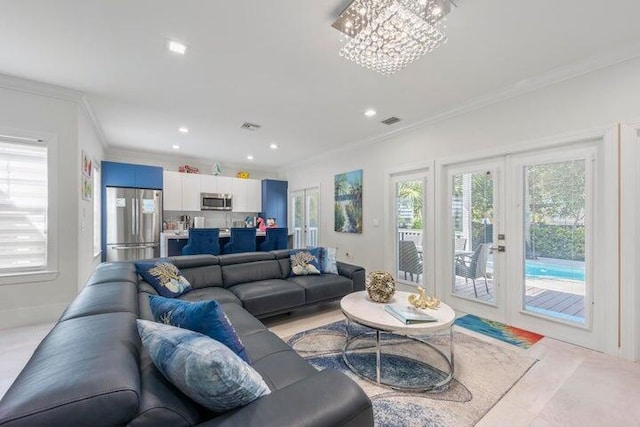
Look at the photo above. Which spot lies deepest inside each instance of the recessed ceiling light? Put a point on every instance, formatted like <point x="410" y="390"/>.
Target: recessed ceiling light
<point x="183" y="129"/>
<point x="274" y="146"/>
<point x="249" y="157"/>
<point x="176" y="47"/>
<point x="175" y="147"/>
<point x="370" y="113"/>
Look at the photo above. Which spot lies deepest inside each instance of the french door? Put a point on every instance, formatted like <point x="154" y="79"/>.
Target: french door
<point x="305" y="217"/>
<point x="409" y="225"/>
<point x="519" y="240"/>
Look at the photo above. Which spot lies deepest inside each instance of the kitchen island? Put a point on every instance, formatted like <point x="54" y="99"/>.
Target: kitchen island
<point x="172" y="242"/>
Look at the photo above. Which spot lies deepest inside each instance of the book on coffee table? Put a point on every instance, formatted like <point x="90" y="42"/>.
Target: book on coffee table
<point x="408" y="315"/>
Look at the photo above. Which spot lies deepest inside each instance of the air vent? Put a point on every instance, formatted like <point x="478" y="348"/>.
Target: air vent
<point x="390" y="120"/>
<point x="250" y="126"/>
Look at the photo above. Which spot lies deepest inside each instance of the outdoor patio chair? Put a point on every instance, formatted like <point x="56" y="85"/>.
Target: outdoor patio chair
<point x="410" y="261"/>
<point x="460" y="243"/>
<point x="474" y="266"/>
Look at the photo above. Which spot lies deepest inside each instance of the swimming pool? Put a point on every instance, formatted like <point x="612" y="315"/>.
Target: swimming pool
<point x="550" y="271"/>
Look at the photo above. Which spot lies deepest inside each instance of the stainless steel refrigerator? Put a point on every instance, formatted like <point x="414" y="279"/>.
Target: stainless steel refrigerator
<point x="134" y="221"/>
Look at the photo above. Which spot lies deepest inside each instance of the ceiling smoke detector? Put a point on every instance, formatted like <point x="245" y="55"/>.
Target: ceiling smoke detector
<point x="390" y="120"/>
<point x="249" y="126"/>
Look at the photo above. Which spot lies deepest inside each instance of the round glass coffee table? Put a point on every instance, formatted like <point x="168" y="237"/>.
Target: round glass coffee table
<point x="436" y="358"/>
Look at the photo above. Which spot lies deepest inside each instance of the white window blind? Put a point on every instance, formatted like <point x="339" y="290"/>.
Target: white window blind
<point x="23" y="205"/>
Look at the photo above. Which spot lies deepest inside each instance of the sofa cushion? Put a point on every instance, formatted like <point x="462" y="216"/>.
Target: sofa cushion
<point x="205" y="317"/>
<point x="269" y="296"/>
<point x="223" y="296"/>
<point x="201" y="271"/>
<point x="113" y="272"/>
<point x="84" y="372"/>
<point x="323" y="287"/>
<point x="164" y="277"/>
<point x="282" y="368"/>
<point x="161" y="403"/>
<point x="233" y="274"/>
<point x="202" y="368"/>
<point x="243" y="322"/>
<point x="328" y="260"/>
<point x="305" y="261"/>
<point x="104" y="298"/>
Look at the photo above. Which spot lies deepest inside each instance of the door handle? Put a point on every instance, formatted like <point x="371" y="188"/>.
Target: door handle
<point x="499" y="248"/>
<point x="133" y="217"/>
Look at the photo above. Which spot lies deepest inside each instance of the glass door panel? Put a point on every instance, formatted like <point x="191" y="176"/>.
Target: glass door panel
<point x="554" y="239"/>
<point x="305" y="217"/>
<point x="472" y="235"/>
<point x="409" y="197"/>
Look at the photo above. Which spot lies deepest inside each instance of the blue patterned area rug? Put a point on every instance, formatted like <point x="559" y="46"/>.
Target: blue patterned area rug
<point x="484" y="372"/>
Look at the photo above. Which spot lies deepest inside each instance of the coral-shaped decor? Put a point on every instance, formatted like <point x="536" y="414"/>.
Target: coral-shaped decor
<point x="188" y="169"/>
<point x="243" y="174"/>
<point x="423" y="301"/>
<point x="169" y="276"/>
<point x="380" y="286"/>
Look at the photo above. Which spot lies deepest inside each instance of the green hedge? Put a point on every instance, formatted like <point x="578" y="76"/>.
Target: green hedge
<point x="549" y="241"/>
<point x="556" y="241"/>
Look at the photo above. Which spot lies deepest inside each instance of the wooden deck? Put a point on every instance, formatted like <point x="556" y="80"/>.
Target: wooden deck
<point x="547" y="300"/>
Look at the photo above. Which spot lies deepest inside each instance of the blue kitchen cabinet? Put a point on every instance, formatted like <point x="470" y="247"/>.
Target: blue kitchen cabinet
<point x="274" y="200"/>
<point x="116" y="174"/>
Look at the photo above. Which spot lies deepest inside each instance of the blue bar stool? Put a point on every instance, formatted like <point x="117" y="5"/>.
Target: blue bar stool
<point x="203" y="241"/>
<point x="242" y="240"/>
<point x="276" y="239"/>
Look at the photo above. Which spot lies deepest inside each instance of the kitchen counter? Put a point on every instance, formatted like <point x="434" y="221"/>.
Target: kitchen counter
<point x="171" y="242"/>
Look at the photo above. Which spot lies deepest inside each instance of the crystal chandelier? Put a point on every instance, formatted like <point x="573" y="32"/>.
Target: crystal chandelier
<point x="387" y="35"/>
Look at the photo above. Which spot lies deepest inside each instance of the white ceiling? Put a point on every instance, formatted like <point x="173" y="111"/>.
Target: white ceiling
<point x="276" y="63"/>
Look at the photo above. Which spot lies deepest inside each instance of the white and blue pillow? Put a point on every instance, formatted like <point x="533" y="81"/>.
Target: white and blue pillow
<point x="202" y="368"/>
<point x="205" y="317"/>
<point x="164" y="276"/>
<point x="305" y="262"/>
<point x="327" y="258"/>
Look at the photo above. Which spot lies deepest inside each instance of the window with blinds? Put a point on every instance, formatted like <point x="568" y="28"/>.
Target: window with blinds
<point x="23" y="205"/>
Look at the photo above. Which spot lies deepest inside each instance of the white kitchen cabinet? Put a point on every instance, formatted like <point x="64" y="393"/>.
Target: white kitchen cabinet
<point x="190" y="192"/>
<point x="254" y="195"/>
<point x="224" y="184"/>
<point x="238" y="189"/>
<point x="247" y="195"/>
<point x="209" y="184"/>
<point x="172" y="191"/>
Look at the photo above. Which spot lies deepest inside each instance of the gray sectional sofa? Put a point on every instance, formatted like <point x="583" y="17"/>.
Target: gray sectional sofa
<point x="91" y="369"/>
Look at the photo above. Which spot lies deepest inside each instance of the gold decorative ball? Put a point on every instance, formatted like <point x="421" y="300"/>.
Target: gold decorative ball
<point x="380" y="286"/>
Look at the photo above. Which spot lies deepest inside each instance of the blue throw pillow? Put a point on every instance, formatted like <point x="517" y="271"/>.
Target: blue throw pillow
<point x="205" y="317"/>
<point x="305" y="261"/>
<point x="329" y="263"/>
<point x="201" y="367"/>
<point x="165" y="277"/>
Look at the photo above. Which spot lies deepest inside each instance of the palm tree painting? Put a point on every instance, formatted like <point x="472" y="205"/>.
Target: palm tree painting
<point x="348" y="202"/>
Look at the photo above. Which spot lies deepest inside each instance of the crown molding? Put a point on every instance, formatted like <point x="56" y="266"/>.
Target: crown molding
<point x="554" y="76"/>
<point x="85" y="107"/>
<point x="39" y="88"/>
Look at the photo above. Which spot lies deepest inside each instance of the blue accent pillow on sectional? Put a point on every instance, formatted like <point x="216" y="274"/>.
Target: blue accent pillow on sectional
<point x="328" y="260"/>
<point x="165" y="277"/>
<point x="305" y="261"/>
<point x="205" y="317"/>
<point x="201" y="367"/>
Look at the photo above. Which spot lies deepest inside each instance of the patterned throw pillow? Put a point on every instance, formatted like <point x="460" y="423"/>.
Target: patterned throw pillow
<point x="201" y="367"/>
<point x="329" y="263"/>
<point x="305" y="262"/>
<point x="164" y="277"/>
<point x="205" y="317"/>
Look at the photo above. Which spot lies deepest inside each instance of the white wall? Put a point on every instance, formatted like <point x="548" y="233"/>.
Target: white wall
<point x="89" y="141"/>
<point x="37" y="302"/>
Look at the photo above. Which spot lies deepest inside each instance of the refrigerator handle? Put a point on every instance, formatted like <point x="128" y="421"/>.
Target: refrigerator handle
<point x="133" y="217"/>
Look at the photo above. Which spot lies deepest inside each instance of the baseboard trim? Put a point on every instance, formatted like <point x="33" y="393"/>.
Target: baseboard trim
<point x="35" y="315"/>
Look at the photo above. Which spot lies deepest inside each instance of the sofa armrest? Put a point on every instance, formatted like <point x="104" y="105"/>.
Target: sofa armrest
<point x="353" y="272"/>
<point x="325" y="399"/>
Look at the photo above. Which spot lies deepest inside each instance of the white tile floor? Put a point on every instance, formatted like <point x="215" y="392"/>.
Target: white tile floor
<point x="569" y="386"/>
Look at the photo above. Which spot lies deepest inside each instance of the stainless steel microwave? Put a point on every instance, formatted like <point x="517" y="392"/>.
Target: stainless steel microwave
<point x="216" y="202"/>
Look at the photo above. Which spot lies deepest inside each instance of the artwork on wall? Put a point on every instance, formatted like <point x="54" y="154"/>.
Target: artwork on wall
<point x="86" y="177"/>
<point x="348" y="202"/>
